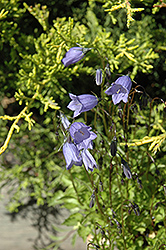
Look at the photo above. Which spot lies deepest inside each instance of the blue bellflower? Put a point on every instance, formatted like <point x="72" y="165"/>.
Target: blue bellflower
<point x="82" y="135"/>
<point x="88" y="160"/>
<point x="74" y="55"/>
<point x="71" y="154"/>
<point x="99" y="77"/>
<point x="120" y="89"/>
<point x="82" y="103"/>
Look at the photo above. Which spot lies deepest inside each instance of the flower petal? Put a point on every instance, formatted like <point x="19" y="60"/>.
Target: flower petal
<point x="88" y="160"/>
<point x="115" y="89"/>
<point x="71" y="154"/>
<point x="82" y="135"/>
<point x="82" y="103"/>
<point x="125" y="82"/>
<point x="74" y="55"/>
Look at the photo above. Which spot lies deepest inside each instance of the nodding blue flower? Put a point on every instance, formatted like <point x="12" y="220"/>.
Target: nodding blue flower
<point x="126" y="168"/>
<point x="74" y="55"/>
<point x="82" y="135"/>
<point x="82" y="103"/>
<point x="88" y="160"/>
<point x="120" y="89"/>
<point x="99" y="77"/>
<point x="71" y="154"/>
<point x="64" y="120"/>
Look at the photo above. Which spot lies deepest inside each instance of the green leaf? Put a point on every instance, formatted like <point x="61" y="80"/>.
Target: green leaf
<point x="73" y="219"/>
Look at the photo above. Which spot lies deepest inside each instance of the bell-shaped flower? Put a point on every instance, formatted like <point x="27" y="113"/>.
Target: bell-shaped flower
<point x="82" y="135"/>
<point x="120" y="89"/>
<point x="82" y="103"/>
<point x="74" y="55"/>
<point x="88" y="160"/>
<point x="71" y="154"/>
<point x="99" y="77"/>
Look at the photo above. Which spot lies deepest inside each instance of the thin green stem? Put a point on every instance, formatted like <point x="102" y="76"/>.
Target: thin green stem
<point x="110" y="182"/>
<point x="75" y="189"/>
<point x="96" y="197"/>
<point x="122" y="219"/>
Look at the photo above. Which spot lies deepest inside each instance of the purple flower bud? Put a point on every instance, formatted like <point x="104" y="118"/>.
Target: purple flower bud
<point x="82" y="135"/>
<point x="82" y="103"/>
<point x="113" y="146"/>
<point x="107" y="71"/>
<point x="136" y="209"/>
<point x="71" y="154"/>
<point x="122" y="181"/>
<point x="126" y="169"/>
<point x="120" y="89"/>
<point x="88" y="160"/>
<point x="92" y="201"/>
<point x="74" y="55"/>
<point x="64" y="120"/>
<point x="99" y="77"/>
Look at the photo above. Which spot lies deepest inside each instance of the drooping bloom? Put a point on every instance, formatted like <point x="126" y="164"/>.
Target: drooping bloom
<point x="74" y="55"/>
<point x="71" y="154"/>
<point x="82" y="103"/>
<point x="126" y="169"/>
<point x="88" y="160"/>
<point x="82" y="135"/>
<point x="99" y="77"/>
<point x="120" y="89"/>
<point x="64" y="120"/>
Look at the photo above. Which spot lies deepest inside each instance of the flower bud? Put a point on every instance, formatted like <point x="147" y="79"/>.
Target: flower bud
<point x="64" y="120"/>
<point x="108" y="72"/>
<point x="126" y="169"/>
<point x="99" y="77"/>
<point x="136" y="209"/>
<point x="113" y="146"/>
<point x="74" y="55"/>
<point x="92" y="201"/>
